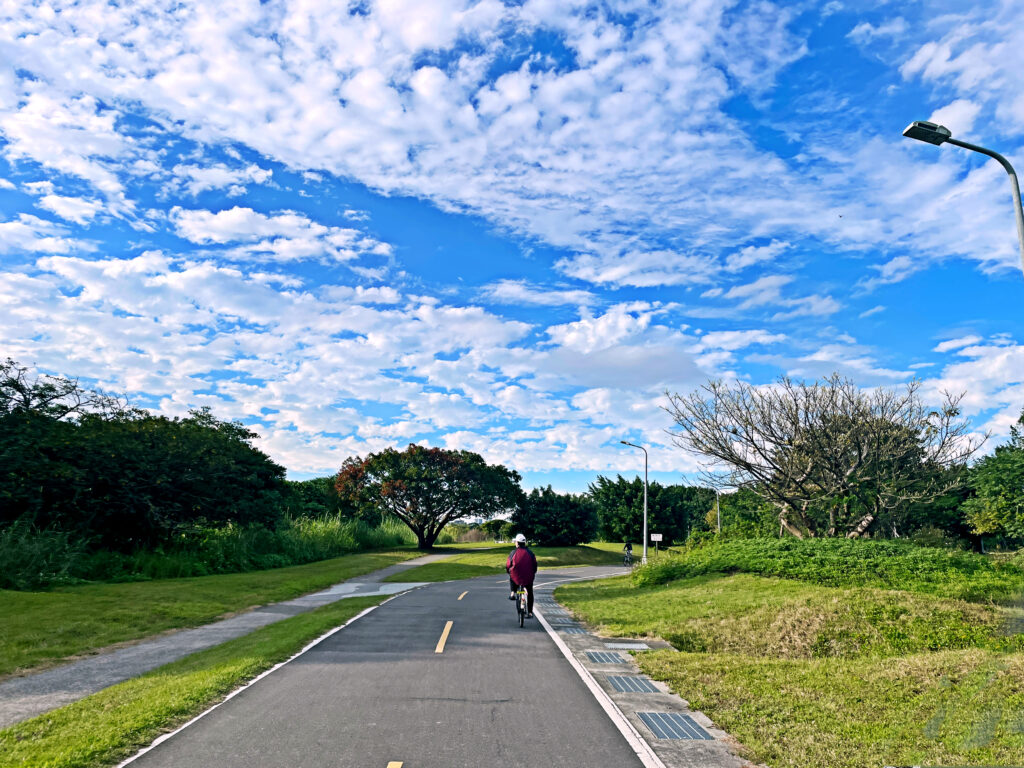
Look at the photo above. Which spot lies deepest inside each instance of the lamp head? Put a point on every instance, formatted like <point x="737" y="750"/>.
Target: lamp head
<point x="929" y="132"/>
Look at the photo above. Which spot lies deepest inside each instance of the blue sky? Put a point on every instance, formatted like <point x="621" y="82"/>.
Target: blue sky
<point x="507" y="227"/>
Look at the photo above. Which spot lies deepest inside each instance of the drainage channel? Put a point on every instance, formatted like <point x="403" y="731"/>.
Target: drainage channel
<point x="677" y="736"/>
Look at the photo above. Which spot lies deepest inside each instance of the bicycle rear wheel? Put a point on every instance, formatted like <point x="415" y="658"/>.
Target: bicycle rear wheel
<point x="521" y="607"/>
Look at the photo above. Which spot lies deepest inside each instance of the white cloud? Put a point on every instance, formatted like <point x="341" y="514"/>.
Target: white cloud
<point x="866" y="32"/>
<point x="284" y="236"/>
<point x="751" y="255"/>
<point x="198" y="178"/>
<point x="951" y="344"/>
<point x="34" y="235"/>
<point x="520" y="292"/>
<point x="733" y="340"/>
<point x="958" y="116"/>
<point x="76" y="209"/>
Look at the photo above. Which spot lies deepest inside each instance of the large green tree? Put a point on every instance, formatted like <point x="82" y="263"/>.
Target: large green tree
<point x="997" y="508"/>
<point x="121" y="477"/>
<point x="556" y="519"/>
<point x="672" y="510"/>
<point x="427" y="488"/>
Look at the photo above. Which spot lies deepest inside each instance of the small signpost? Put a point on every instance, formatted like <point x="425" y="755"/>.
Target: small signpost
<point x="656" y="537"/>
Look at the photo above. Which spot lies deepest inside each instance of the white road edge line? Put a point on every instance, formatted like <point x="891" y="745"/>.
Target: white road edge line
<point x="636" y="741"/>
<point x="161" y="739"/>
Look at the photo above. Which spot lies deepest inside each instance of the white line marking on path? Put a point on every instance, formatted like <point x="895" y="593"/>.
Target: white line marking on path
<point x="636" y="741"/>
<point x="161" y="739"/>
<point x="463" y="594"/>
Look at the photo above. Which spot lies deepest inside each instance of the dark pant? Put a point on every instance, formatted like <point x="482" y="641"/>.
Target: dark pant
<point x="529" y="593"/>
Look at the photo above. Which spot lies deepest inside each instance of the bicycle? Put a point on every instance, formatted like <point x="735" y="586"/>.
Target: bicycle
<point x="627" y="560"/>
<point x="522" y="607"/>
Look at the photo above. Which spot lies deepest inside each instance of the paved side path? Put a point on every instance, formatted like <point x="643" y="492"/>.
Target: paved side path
<point x="34" y="694"/>
<point x="432" y="679"/>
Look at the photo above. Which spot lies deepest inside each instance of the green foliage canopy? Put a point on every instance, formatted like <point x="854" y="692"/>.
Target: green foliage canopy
<point x="998" y="484"/>
<point x="556" y="519"/>
<point x="672" y="510"/>
<point x="427" y="488"/>
<point x="121" y="477"/>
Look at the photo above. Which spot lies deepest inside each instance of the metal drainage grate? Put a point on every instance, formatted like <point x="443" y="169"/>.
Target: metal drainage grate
<point x="629" y="684"/>
<point x="605" y="657"/>
<point x="671" y="725"/>
<point x="573" y="630"/>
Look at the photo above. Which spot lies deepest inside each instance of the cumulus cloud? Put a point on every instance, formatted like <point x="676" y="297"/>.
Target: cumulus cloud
<point x="197" y="178"/>
<point x="284" y="236"/>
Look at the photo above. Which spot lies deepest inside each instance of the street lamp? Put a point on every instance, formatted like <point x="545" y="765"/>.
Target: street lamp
<point x="634" y="445"/>
<point x="940" y="134"/>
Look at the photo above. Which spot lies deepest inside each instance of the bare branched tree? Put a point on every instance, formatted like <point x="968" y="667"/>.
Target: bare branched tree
<point x="834" y="459"/>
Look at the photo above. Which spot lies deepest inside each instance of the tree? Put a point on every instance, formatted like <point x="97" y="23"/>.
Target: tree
<point x="426" y="488"/>
<point x="556" y="519"/>
<point x="673" y="510"/>
<point x="998" y="485"/>
<point x="492" y="528"/>
<point x="745" y="515"/>
<point x="831" y="458"/>
<point x="88" y="464"/>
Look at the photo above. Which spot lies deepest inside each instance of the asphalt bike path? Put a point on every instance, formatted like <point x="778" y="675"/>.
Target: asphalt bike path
<point x="441" y="676"/>
<point x="33" y="694"/>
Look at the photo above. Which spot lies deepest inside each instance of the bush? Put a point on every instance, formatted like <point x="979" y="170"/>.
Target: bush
<point x="31" y="557"/>
<point x="846" y="562"/>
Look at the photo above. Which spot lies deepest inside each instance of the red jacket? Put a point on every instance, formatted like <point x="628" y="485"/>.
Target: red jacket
<point x="521" y="566"/>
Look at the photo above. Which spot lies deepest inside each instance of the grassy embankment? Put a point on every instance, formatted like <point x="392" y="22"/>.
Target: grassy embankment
<point x="38" y="628"/>
<point x="864" y="654"/>
<point x="102" y="729"/>
<point x="491" y="561"/>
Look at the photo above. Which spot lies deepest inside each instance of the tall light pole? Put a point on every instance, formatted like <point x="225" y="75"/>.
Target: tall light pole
<point x="718" y="511"/>
<point x="634" y="445"/>
<point x="940" y="134"/>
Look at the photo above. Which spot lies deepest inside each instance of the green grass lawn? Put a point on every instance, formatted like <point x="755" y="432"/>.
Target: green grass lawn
<point x="815" y="676"/>
<point x="37" y="628"/>
<point x="102" y="729"/>
<point x="488" y="562"/>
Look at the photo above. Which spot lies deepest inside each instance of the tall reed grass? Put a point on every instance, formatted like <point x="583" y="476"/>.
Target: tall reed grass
<point x="33" y="559"/>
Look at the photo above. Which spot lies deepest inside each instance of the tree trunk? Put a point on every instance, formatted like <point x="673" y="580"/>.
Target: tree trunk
<point x="863" y="525"/>
<point x="792" y="529"/>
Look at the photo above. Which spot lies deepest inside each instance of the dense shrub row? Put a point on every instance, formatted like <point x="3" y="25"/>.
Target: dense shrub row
<point x="845" y="562"/>
<point x="31" y="558"/>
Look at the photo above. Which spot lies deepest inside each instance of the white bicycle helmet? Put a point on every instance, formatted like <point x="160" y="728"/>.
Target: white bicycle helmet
<point x="519" y="539"/>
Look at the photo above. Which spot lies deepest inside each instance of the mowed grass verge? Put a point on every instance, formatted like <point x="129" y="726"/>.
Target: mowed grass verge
<point x="40" y="628"/>
<point x="491" y="561"/>
<point x="105" y="728"/>
<point x="809" y="675"/>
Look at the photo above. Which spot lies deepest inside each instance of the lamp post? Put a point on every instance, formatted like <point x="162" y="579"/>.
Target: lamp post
<point x="634" y="445"/>
<point x="940" y="134"/>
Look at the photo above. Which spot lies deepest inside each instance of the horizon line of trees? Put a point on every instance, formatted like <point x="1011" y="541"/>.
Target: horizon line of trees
<point x="804" y="459"/>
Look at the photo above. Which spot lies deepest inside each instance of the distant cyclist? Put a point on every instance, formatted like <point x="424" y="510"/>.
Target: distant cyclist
<point x="522" y="567"/>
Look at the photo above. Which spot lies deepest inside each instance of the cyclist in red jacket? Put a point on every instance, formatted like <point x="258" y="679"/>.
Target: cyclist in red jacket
<point x="522" y="567"/>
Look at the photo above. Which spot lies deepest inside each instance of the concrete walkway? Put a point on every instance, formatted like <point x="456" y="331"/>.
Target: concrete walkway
<point x="34" y="694"/>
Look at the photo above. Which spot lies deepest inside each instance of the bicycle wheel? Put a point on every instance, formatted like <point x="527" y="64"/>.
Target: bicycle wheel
<point x="521" y="605"/>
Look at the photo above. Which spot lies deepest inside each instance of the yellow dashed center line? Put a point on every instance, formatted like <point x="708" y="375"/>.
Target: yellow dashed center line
<point x="444" y="638"/>
<point x="394" y="764"/>
<point x="463" y="594"/>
